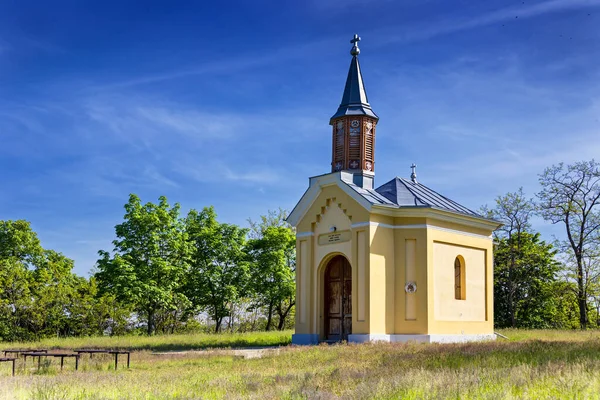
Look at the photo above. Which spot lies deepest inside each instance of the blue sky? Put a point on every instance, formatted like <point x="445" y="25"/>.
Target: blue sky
<point x="228" y="104"/>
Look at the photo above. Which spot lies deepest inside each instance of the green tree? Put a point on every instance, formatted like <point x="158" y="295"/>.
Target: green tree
<point x="514" y="211"/>
<point x="20" y="251"/>
<point x="149" y="262"/>
<point x="88" y="312"/>
<point x="19" y="243"/>
<point x="273" y="257"/>
<point x="54" y="285"/>
<point x="38" y="289"/>
<point x="570" y="196"/>
<point x="218" y="273"/>
<point x="524" y="275"/>
<point x="564" y="301"/>
<point x="16" y="301"/>
<point x="273" y="218"/>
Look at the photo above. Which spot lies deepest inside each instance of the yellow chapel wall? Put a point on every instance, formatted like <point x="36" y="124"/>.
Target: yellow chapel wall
<point x="411" y="264"/>
<point x="474" y="314"/>
<point x="381" y="275"/>
<point x="332" y="207"/>
<point x="398" y="255"/>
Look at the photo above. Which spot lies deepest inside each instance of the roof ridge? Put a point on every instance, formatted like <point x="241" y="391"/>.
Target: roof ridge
<point x="453" y="202"/>
<point x="417" y="197"/>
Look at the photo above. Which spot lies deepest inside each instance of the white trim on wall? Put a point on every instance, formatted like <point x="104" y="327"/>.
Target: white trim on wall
<point x="417" y="226"/>
<point x="423" y="338"/>
<point x="304" y="234"/>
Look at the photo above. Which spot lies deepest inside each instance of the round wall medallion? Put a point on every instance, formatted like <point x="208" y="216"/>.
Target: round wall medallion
<point x="410" y="287"/>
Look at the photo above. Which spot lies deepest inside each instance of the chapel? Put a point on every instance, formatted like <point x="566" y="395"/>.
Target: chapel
<point x="396" y="262"/>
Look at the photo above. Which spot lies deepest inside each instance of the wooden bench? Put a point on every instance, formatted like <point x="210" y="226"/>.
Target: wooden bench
<point x="91" y="352"/>
<point x="62" y="357"/>
<point x="20" y="351"/>
<point x="8" y="359"/>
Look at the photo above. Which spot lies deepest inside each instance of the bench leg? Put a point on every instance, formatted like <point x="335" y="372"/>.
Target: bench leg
<point x="39" y="362"/>
<point x="116" y="360"/>
<point x="62" y="360"/>
<point x="76" y="362"/>
<point x="13" y="367"/>
<point x="128" y="354"/>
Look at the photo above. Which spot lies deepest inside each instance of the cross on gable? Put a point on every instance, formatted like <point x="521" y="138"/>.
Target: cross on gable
<point x="413" y="175"/>
<point x="355" y="40"/>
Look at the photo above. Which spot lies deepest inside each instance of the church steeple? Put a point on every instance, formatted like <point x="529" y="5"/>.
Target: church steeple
<point x="354" y="99"/>
<point x="354" y="127"/>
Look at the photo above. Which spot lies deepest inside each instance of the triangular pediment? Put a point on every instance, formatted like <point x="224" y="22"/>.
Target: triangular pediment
<point x="317" y="185"/>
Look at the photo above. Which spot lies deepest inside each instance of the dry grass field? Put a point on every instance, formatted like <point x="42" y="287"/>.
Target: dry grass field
<point x="532" y="364"/>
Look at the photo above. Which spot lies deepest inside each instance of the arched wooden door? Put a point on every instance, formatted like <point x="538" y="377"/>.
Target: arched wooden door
<point x="338" y="299"/>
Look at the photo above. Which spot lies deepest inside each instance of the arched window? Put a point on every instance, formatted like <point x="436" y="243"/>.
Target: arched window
<point x="459" y="278"/>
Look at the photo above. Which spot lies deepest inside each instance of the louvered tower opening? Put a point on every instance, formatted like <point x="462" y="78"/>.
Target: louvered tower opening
<point x="339" y="146"/>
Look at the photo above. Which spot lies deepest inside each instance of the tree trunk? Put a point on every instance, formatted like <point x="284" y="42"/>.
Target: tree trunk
<point x="150" y="330"/>
<point x="581" y="298"/>
<point x="281" y="323"/>
<point x="269" y="317"/>
<point x="283" y="315"/>
<point x="511" y="299"/>
<point x="218" y="324"/>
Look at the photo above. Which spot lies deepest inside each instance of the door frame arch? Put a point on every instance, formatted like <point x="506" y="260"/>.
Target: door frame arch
<point x="322" y="297"/>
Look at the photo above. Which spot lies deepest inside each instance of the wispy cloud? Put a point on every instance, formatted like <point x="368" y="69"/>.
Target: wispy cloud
<point x="337" y="5"/>
<point x="230" y="65"/>
<point x="420" y="31"/>
<point x="477" y="132"/>
<point x="142" y="119"/>
<point x="221" y="173"/>
<point x="453" y="24"/>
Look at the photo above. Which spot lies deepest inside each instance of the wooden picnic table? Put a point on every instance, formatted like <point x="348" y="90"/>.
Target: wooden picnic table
<point x="20" y="351"/>
<point x="91" y="352"/>
<point x="62" y="357"/>
<point x="8" y="359"/>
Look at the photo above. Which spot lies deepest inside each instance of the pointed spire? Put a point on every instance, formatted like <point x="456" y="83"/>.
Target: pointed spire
<point x="354" y="100"/>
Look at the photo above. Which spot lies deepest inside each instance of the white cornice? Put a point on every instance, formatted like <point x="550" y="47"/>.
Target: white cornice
<point x="418" y="226"/>
<point x="440" y="215"/>
<point x="306" y="201"/>
<point x="304" y="234"/>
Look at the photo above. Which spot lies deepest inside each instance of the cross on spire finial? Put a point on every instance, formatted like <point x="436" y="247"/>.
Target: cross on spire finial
<point x="355" y="50"/>
<point x="413" y="174"/>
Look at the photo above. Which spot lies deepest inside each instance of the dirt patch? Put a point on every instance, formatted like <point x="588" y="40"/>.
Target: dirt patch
<point x="244" y="353"/>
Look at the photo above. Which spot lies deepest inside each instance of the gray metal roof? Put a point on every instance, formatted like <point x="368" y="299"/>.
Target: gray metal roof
<point x="406" y="193"/>
<point x="395" y="194"/>
<point x="371" y="195"/>
<point x="354" y="100"/>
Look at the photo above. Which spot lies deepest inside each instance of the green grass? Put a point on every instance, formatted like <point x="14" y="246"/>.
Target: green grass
<point x="531" y="364"/>
<point x="161" y="342"/>
<point x="548" y="334"/>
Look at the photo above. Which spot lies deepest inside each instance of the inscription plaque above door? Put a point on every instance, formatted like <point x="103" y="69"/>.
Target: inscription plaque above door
<point x="334" y="237"/>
